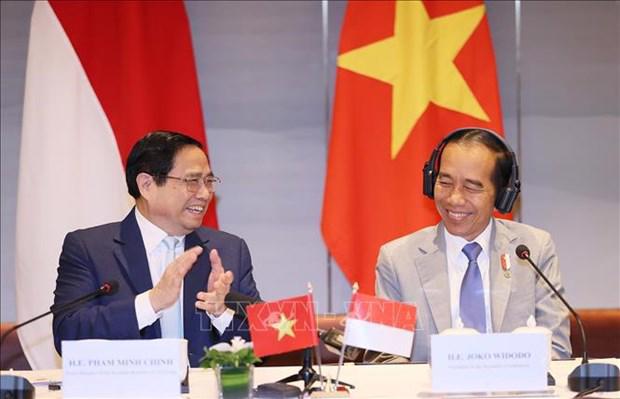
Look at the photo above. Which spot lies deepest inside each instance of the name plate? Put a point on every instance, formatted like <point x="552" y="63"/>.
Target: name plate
<point x="489" y="362"/>
<point x="97" y="368"/>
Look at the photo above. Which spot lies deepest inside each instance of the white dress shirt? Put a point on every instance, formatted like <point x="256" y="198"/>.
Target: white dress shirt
<point x="457" y="266"/>
<point x="152" y="237"/>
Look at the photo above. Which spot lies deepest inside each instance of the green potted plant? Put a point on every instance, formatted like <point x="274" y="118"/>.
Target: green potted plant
<point x="234" y="367"/>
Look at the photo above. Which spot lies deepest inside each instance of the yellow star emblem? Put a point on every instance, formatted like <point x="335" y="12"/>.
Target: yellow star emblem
<point x="418" y="61"/>
<point x="284" y="326"/>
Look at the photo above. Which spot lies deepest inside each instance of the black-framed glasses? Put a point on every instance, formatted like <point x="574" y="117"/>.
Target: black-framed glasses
<point x="194" y="184"/>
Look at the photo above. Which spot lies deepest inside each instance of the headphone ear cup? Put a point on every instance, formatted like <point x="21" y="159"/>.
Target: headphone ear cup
<point x="506" y="199"/>
<point x="428" y="180"/>
<point x="429" y="174"/>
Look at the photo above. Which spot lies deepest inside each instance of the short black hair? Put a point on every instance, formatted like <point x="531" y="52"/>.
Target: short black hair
<point x="154" y="154"/>
<point x="503" y="154"/>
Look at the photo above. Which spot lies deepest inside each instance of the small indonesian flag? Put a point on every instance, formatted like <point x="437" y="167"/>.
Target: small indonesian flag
<point x="380" y="325"/>
<point x="283" y="326"/>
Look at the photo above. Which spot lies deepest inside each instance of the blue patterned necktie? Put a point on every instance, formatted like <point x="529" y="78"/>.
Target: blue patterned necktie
<point x="472" y="293"/>
<point x="171" y="320"/>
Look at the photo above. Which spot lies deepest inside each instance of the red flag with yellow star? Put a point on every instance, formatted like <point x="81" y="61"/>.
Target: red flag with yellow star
<point x="283" y="326"/>
<point x="409" y="72"/>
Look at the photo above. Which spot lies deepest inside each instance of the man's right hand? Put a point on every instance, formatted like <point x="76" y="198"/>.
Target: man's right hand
<point x="167" y="290"/>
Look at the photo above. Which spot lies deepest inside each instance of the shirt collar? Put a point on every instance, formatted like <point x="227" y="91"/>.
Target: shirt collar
<point x="455" y="244"/>
<point x="152" y="235"/>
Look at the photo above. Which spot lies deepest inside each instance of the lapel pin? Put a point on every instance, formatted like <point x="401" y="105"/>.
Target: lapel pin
<point x="504" y="261"/>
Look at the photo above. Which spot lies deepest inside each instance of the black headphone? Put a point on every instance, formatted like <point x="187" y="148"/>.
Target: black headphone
<point x="506" y="196"/>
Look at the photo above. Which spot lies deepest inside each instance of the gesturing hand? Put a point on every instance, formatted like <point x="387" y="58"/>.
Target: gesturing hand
<point x="167" y="290"/>
<point x="218" y="285"/>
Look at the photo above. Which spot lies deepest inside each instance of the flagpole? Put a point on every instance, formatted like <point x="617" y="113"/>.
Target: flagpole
<point x="317" y="348"/>
<point x="518" y="88"/>
<point x="340" y="361"/>
<point x="325" y="54"/>
<point x="344" y="341"/>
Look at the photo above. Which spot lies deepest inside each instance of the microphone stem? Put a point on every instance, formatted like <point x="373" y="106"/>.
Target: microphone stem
<point x="79" y="301"/>
<point x="15" y="327"/>
<point x="584" y="360"/>
<point x="54" y="309"/>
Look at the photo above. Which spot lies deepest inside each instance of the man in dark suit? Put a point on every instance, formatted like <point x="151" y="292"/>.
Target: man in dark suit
<point x="173" y="274"/>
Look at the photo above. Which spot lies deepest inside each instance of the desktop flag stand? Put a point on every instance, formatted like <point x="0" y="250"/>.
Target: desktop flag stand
<point x="378" y="324"/>
<point x="283" y="326"/>
<point x="290" y="324"/>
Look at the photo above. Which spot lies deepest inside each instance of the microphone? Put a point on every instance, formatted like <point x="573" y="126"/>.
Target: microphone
<point x="12" y="386"/>
<point x="523" y="252"/>
<point x="237" y="301"/>
<point x="586" y="376"/>
<point x="107" y="288"/>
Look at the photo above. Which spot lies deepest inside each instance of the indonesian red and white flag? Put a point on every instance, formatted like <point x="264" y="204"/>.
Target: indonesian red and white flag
<point x="100" y="75"/>
<point x="380" y="325"/>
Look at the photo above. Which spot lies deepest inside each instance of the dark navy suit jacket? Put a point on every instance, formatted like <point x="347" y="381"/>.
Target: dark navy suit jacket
<point x="116" y="251"/>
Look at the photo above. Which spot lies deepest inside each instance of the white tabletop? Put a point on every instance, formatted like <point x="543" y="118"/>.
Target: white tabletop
<point x="371" y="381"/>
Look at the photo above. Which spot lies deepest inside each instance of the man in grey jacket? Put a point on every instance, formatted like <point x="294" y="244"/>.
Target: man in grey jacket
<point x="464" y="270"/>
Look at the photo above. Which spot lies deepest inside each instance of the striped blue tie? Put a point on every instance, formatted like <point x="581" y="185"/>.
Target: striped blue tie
<point x="472" y="293"/>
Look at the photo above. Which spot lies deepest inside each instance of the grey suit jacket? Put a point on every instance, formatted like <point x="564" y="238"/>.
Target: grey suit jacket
<point x="414" y="269"/>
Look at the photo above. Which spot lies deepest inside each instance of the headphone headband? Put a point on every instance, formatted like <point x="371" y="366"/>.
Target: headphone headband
<point x="505" y="197"/>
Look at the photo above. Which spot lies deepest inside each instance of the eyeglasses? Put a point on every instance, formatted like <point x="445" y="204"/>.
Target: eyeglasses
<point x="194" y="184"/>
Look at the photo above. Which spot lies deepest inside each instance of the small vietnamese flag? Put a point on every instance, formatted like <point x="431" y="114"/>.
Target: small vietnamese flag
<point x="380" y="325"/>
<point x="283" y="326"/>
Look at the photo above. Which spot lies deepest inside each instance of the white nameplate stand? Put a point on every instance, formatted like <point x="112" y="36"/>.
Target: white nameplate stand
<point x="490" y="363"/>
<point x="123" y="368"/>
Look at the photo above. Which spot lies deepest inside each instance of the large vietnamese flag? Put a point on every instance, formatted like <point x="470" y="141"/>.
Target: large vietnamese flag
<point x="408" y="73"/>
<point x="100" y="75"/>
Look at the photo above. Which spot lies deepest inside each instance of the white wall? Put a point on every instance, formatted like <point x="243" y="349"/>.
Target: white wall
<point x="264" y="99"/>
<point x="571" y="140"/>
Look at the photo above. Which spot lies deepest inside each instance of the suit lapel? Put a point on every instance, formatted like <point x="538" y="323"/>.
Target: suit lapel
<point x="131" y="255"/>
<point x="433" y="274"/>
<point x="500" y="284"/>
<point x="196" y="279"/>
